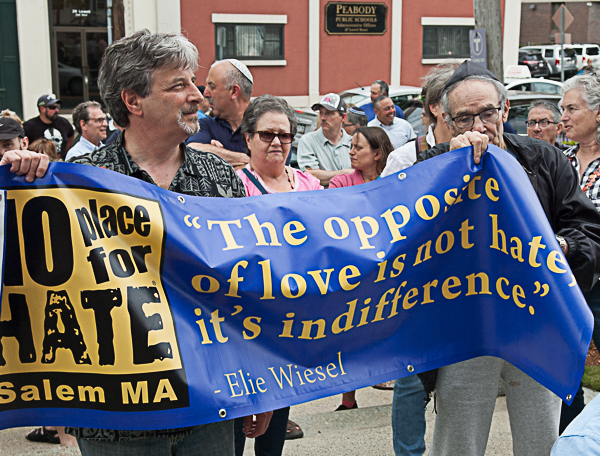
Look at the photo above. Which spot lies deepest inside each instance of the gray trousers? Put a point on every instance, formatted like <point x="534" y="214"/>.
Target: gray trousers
<point x="466" y="397"/>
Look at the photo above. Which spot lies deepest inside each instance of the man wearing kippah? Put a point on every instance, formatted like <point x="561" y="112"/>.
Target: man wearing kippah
<point x="356" y="118"/>
<point x="476" y="105"/>
<point x="228" y="91"/>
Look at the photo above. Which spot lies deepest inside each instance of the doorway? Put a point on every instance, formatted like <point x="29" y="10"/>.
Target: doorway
<point x="78" y="52"/>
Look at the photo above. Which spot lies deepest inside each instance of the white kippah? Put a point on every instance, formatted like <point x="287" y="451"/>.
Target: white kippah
<point x="242" y="69"/>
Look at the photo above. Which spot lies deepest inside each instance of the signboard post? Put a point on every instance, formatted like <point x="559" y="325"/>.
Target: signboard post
<point x="355" y="18"/>
<point x="563" y="19"/>
<point x="477" y="46"/>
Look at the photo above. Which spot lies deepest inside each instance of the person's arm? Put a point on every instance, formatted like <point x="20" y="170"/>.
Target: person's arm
<point x="325" y="176"/>
<point x="69" y="142"/>
<point x="236" y="159"/>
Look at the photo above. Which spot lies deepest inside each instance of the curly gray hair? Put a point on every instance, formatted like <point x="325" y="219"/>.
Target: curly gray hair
<point x="589" y="88"/>
<point x="129" y="63"/>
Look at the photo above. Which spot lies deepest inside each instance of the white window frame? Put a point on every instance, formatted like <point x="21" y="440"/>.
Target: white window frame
<point x="446" y="21"/>
<point x="218" y="18"/>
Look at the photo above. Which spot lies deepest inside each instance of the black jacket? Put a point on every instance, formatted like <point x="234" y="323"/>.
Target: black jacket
<point x="570" y="213"/>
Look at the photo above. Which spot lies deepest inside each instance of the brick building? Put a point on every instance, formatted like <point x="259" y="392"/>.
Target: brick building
<point x="55" y="46"/>
<point x="537" y="26"/>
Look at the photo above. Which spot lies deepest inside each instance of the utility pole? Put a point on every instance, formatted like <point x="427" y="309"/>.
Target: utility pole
<point x="488" y="16"/>
<point x="118" y="19"/>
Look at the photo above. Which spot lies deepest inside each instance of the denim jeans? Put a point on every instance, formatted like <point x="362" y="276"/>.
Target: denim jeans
<point x="408" y="416"/>
<point x="214" y="439"/>
<point x="271" y="442"/>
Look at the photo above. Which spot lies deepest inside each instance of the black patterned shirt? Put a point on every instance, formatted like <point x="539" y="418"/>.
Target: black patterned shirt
<point x="590" y="181"/>
<point x="200" y="174"/>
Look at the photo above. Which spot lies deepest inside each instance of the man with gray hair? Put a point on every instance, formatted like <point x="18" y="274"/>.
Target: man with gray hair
<point x="543" y="122"/>
<point x="148" y="85"/>
<point x="90" y="122"/>
<point x="228" y="90"/>
<point x="476" y="105"/>
<point x="398" y="130"/>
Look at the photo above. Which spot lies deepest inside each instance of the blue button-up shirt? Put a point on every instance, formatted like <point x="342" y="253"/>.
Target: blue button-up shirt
<point x="219" y="129"/>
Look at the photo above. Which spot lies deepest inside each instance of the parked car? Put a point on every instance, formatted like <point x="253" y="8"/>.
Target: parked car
<point x="520" y="103"/>
<point x="534" y="85"/>
<point x="551" y="54"/>
<point x="307" y="118"/>
<point x="538" y="67"/>
<point x="584" y="53"/>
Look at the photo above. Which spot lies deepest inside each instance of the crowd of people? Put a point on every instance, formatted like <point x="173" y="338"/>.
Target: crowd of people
<point x="217" y="141"/>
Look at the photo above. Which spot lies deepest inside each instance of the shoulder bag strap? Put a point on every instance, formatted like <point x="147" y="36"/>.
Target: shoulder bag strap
<point x="254" y="180"/>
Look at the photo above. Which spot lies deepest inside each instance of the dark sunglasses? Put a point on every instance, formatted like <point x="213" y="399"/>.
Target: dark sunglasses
<point x="269" y="136"/>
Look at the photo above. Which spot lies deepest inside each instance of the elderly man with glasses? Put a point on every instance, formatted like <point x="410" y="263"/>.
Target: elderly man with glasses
<point x="476" y="105"/>
<point x="543" y="122"/>
<point x="90" y="122"/>
<point x="49" y="125"/>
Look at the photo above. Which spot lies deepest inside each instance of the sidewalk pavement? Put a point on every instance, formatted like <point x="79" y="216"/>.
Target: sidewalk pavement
<point x="366" y="431"/>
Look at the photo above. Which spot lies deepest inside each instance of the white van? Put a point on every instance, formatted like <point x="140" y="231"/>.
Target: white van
<point x="551" y="53"/>
<point x="584" y="53"/>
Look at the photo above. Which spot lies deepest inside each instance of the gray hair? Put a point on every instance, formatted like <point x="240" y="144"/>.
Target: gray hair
<point x="262" y="105"/>
<point x="129" y="63"/>
<point x="81" y="113"/>
<point x="383" y="86"/>
<point x="357" y="119"/>
<point x="233" y="76"/>
<point x="433" y="86"/>
<point x="544" y="104"/>
<point x="502" y="94"/>
<point x="378" y="101"/>
<point x="589" y="88"/>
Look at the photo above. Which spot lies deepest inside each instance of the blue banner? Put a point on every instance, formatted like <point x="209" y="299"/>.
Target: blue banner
<point x="126" y="306"/>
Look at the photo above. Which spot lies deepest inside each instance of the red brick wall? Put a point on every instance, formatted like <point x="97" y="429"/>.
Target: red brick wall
<point x="290" y="80"/>
<point x="346" y="60"/>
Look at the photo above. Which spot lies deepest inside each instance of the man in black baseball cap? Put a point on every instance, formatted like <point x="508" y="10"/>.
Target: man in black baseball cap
<point x="13" y="151"/>
<point x="12" y="136"/>
<point x="50" y="125"/>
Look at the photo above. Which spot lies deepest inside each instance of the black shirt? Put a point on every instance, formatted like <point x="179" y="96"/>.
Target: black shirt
<point x="58" y="131"/>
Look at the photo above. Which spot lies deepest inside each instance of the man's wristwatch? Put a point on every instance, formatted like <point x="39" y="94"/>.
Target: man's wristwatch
<point x="563" y="243"/>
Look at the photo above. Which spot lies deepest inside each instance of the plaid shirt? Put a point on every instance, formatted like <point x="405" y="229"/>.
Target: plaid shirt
<point x="591" y="177"/>
<point x="200" y="174"/>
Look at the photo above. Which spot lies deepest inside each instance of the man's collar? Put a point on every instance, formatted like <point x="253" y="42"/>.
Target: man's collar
<point x="381" y="123"/>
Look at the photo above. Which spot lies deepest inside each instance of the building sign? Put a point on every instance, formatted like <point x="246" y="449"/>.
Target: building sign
<point x="352" y="18"/>
<point x="477" y="45"/>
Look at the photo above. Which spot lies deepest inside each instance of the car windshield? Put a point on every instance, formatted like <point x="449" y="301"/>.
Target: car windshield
<point x="354" y="98"/>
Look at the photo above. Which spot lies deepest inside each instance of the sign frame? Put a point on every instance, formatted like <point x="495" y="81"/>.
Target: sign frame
<point x="331" y="29"/>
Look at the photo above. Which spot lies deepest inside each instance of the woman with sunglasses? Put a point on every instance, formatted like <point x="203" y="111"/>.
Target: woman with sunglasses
<point x="269" y="126"/>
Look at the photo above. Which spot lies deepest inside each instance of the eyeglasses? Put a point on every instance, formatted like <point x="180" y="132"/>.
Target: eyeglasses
<point x="269" y="136"/>
<point x="52" y="108"/>
<point x="99" y="120"/>
<point x="542" y="123"/>
<point x="347" y="124"/>
<point x="487" y="116"/>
